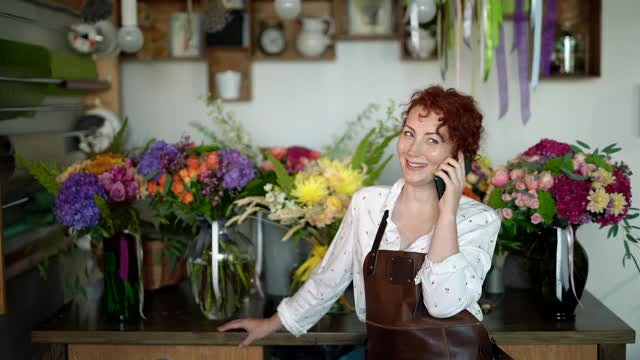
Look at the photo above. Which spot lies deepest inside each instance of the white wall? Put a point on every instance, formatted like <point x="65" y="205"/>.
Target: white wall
<point x="306" y="103"/>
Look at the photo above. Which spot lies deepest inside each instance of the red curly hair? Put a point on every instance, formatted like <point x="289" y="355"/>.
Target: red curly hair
<point x="458" y="112"/>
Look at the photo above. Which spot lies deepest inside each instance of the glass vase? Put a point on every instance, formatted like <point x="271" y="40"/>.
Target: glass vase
<point x="122" y="292"/>
<point x="221" y="269"/>
<point x="550" y="268"/>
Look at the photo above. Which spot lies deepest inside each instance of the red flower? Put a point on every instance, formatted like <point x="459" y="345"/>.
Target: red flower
<point x="299" y="156"/>
<point x="571" y="199"/>
<point x="547" y="149"/>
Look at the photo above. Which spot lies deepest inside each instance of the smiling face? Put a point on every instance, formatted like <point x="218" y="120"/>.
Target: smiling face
<point x="421" y="148"/>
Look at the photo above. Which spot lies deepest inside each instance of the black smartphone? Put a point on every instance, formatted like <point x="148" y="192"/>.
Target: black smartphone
<point x="440" y="186"/>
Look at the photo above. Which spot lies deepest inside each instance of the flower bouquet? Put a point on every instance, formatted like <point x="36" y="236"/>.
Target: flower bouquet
<point x="550" y="189"/>
<point x="95" y="197"/>
<point x="313" y="201"/>
<point x="198" y="184"/>
<point x="477" y="182"/>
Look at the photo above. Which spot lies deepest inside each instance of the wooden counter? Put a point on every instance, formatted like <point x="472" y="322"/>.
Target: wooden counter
<point x="175" y="329"/>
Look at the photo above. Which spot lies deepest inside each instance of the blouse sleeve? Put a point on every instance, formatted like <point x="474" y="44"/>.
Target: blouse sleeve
<point x="455" y="283"/>
<point x="326" y="283"/>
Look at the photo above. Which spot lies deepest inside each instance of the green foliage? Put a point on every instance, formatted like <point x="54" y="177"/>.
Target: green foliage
<point x="546" y="206"/>
<point x="285" y="181"/>
<point x="45" y="173"/>
<point x="599" y="161"/>
<point x="229" y="132"/>
<point x="495" y="199"/>
<point x="117" y="146"/>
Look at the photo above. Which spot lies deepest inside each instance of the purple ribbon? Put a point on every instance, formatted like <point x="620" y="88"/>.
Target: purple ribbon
<point x="501" y="62"/>
<point x="124" y="257"/>
<point x="549" y="28"/>
<point x="521" y="24"/>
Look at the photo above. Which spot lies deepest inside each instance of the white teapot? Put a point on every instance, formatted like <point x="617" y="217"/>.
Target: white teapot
<point x="315" y="35"/>
<point x="425" y="46"/>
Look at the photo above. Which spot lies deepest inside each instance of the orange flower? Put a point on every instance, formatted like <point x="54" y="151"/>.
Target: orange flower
<point x="152" y="187"/>
<point x="162" y="181"/>
<point x="184" y="174"/>
<point x="314" y="155"/>
<point x="177" y="187"/>
<point x="193" y="173"/>
<point x="187" y="198"/>
<point x="104" y="162"/>
<point x="212" y="161"/>
<point x="468" y="192"/>
<point x="278" y="152"/>
<point x="193" y="162"/>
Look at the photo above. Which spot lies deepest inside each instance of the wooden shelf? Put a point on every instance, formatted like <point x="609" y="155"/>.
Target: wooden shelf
<point x="264" y="13"/>
<point x="342" y="18"/>
<point x="235" y="60"/>
<point x="153" y="20"/>
<point x="587" y="29"/>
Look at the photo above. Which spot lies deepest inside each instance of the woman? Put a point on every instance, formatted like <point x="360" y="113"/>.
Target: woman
<point x="456" y="234"/>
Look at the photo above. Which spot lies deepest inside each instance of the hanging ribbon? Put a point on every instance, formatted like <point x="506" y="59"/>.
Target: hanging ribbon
<point x="215" y="251"/>
<point x="458" y="39"/>
<point x="564" y="263"/>
<point x="482" y="19"/>
<point x="522" y="45"/>
<point x="570" y="244"/>
<point x="414" y="25"/>
<point x="139" y="256"/>
<point x="259" y="246"/>
<point x="489" y="33"/>
<point x="474" y="53"/>
<point x="550" y="10"/>
<point x="468" y="21"/>
<point x="442" y="36"/>
<point x="501" y="62"/>
<point x="536" y="24"/>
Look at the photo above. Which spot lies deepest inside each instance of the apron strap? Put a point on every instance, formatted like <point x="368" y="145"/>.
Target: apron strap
<point x="376" y="243"/>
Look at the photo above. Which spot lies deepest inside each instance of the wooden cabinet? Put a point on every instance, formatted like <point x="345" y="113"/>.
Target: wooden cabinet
<point x="163" y="352"/>
<point x="559" y="351"/>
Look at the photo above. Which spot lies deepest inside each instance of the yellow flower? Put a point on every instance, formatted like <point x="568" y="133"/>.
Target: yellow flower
<point x="619" y="203"/>
<point x="321" y="219"/>
<point x="104" y="162"/>
<point x="331" y="170"/>
<point x="598" y="200"/>
<point x="73" y="169"/>
<point x="350" y="181"/>
<point x="317" y="254"/>
<point x="602" y="177"/>
<point x="483" y="162"/>
<point x="311" y="189"/>
<point x="334" y="203"/>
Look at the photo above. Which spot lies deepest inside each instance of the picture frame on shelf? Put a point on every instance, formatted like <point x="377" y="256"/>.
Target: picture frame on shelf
<point x="371" y="17"/>
<point x="185" y="35"/>
<point x="234" y="33"/>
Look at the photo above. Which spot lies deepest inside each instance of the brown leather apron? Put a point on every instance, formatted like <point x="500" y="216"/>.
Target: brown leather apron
<point x="398" y="324"/>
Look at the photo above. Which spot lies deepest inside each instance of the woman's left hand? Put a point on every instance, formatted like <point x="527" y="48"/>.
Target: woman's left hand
<point x="453" y="174"/>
